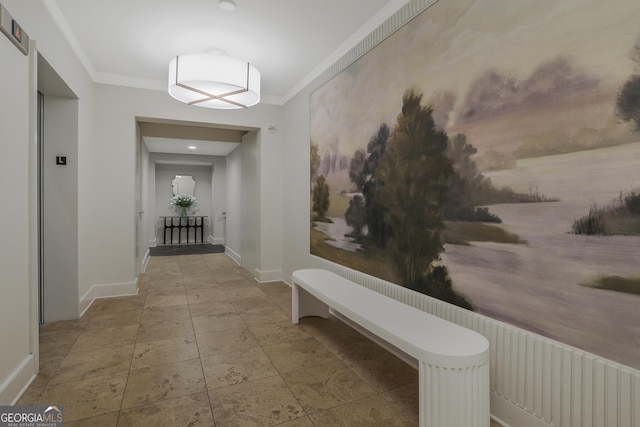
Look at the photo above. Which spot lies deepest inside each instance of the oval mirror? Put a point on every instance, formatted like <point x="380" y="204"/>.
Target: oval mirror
<point x="183" y="184"/>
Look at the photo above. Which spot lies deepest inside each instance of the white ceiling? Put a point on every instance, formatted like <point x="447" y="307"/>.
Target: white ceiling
<point x="189" y="146"/>
<point x="130" y="42"/>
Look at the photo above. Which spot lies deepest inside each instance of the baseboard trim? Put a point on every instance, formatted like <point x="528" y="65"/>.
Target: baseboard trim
<point x="509" y="414"/>
<point x="17" y="383"/>
<point x="145" y="260"/>
<point x="268" y="276"/>
<point x="217" y="240"/>
<point x="106" y="291"/>
<point x="233" y="255"/>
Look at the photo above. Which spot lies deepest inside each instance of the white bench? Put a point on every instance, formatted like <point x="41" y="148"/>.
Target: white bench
<point x="453" y="362"/>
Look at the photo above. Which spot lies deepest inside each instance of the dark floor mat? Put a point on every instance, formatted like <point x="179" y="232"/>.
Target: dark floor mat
<point x="170" y="250"/>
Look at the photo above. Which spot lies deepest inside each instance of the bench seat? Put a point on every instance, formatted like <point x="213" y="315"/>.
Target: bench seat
<point x="453" y="361"/>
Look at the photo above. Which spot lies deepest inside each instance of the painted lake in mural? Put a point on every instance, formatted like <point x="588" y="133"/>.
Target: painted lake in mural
<point x="540" y="285"/>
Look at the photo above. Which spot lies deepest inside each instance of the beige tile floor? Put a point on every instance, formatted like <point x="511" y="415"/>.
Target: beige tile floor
<point x="203" y="344"/>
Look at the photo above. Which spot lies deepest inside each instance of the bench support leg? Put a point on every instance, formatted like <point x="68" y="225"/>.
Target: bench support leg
<point x="454" y="397"/>
<point x="304" y="304"/>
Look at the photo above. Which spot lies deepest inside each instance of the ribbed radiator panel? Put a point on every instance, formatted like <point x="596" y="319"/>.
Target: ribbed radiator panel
<point x="449" y="401"/>
<point x="557" y="384"/>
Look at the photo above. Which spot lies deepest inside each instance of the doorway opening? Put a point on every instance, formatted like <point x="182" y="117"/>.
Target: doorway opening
<point x="57" y="196"/>
<point x="214" y="156"/>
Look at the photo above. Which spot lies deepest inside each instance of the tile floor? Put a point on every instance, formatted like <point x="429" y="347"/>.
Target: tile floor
<point x="203" y="344"/>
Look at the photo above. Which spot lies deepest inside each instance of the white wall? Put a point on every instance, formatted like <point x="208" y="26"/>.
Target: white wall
<point x="202" y="175"/>
<point x="147" y="236"/>
<point x="250" y="202"/>
<point x="211" y="192"/>
<point x="270" y="194"/>
<point x="18" y="256"/>
<point x="296" y="185"/>
<point x="524" y="374"/>
<point x="165" y="173"/>
<point x="106" y="188"/>
<point x="234" y="205"/>
<point x="51" y="44"/>
<point x="60" y="209"/>
<point x="116" y="112"/>
<point x="14" y="227"/>
<point x="219" y="197"/>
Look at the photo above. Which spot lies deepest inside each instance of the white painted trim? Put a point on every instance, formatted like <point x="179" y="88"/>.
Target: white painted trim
<point x="145" y="261"/>
<point x="106" y="291"/>
<point x="513" y="415"/>
<point x="233" y="255"/>
<point x="217" y="240"/>
<point x="19" y="380"/>
<point x="63" y="25"/>
<point x="34" y="216"/>
<point x="268" y="276"/>
<point x="152" y="243"/>
<point x="396" y="20"/>
<point x="347" y="46"/>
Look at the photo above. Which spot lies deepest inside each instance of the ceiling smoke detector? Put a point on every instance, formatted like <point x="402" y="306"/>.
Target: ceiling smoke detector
<point x="228" y="5"/>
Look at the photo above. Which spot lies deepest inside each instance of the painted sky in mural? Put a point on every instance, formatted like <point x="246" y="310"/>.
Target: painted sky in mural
<point x="437" y="55"/>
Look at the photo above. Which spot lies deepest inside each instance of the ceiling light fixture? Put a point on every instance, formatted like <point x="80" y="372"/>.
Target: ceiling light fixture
<point x="214" y="80"/>
<point x="228" y="5"/>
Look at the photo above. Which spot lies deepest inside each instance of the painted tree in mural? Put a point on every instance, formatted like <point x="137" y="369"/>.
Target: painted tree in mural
<point x="620" y="216"/>
<point x="355" y="217"/>
<point x="415" y="171"/>
<point x="468" y="188"/>
<point x="628" y="102"/>
<point x="314" y="161"/>
<point x="356" y="169"/>
<point x="379" y="230"/>
<point x="320" y="198"/>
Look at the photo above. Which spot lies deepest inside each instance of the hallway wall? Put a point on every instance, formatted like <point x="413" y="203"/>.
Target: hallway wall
<point x="106" y="210"/>
<point x="18" y="256"/>
<point x="60" y="209"/>
<point x="535" y="381"/>
<point x="14" y="252"/>
<point x="116" y="111"/>
<point x="234" y="205"/>
<point x="165" y="173"/>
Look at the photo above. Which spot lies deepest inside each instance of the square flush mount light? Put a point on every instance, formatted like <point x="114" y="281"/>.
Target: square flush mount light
<point x="214" y="80"/>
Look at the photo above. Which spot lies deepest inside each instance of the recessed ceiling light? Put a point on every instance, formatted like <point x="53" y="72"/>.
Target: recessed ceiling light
<point x="228" y="5"/>
<point x="191" y="148"/>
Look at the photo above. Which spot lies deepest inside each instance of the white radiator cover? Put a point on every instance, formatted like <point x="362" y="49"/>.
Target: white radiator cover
<point x="534" y="381"/>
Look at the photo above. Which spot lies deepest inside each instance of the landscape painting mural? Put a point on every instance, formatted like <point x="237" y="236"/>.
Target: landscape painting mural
<point x="488" y="154"/>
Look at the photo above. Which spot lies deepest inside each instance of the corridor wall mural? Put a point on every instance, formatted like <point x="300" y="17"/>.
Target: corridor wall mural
<point x="488" y="154"/>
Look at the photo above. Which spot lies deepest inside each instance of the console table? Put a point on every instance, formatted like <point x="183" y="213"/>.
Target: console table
<point x="181" y="223"/>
